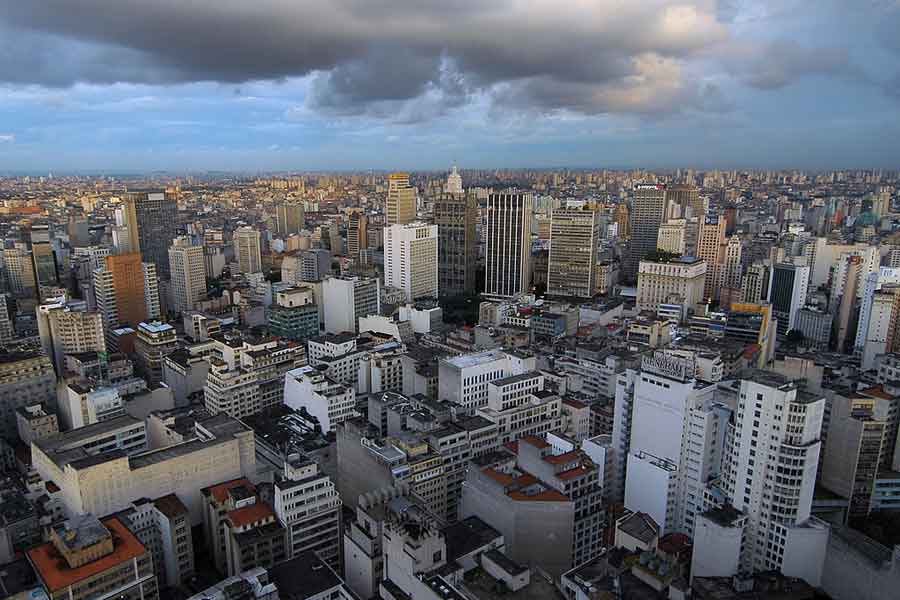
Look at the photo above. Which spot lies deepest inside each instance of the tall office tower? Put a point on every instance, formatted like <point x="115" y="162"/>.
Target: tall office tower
<point x="688" y="197"/>
<point x="151" y="291"/>
<point x="400" y="206"/>
<point x="768" y="474"/>
<point x="247" y="250"/>
<point x="710" y="245"/>
<point x="574" y="239"/>
<point x="755" y="283"/>
<point x="669" y="282"/>
<point x="45" y="268"/>
<point x="308" y="504"/>
<point x="7" y="332"/>
<point x="731" y="265"/>
<point x="456" y="216"/>
<point x="346" y="299"/>
<point x="128" y="282"/>
<point x="19" y="272"/>
<point x="66" y="328"/>
<point x="671" y="237"/>
<point x="26" y="379"/>
<point x="676" y="440"/>
<point x="881" y="202"/>
<point x="454" y="182"/>
<point x="357" y="234"/>
<point x="622" y="220"/>
<point x="151" y="219"/>
<point x="853" y="451"/>
<point x="848" y="303"/>
<point x="647" y="213"/>
<point x="787" y="293"/>
<point x="289" y="218"/>
<point x="411" y="260"/>
<point x="507" y="249"/>
<point x="873" y="329"/>
<point x="188" y="269"/>
<point x="839" y="266"/>
<point x="95" y="254"/>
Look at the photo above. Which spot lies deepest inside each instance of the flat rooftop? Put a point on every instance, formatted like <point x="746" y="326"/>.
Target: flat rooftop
<point x="55" y="573"/>
<point x="473" y="360"/>
<point x="304" y="576"/>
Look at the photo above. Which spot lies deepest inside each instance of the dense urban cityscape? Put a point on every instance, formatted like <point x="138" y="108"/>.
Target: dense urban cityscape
<point x="572" y="384"/>
<point x="449" y="300"/>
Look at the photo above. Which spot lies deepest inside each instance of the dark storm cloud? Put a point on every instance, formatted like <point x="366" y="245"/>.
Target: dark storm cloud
<point x="779" y="64"/>
<point x="405" y="60"/>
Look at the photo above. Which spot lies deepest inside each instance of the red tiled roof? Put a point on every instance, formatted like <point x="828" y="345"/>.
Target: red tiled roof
<point x="751" y="349"/>
<point x="250" y="514"/>
<point x="566" y="457"/>
<point x="55" y="572"/>
<point x="501" y="478"/>
<point x="573" y="473"/>
<point x="544" y="496"/>
<point x="220" y="490"/>
<point x="170" y="505"/>
<point x="877" y="392"/>
<point x="536" y="441"/>
<point x="512" y="447"/>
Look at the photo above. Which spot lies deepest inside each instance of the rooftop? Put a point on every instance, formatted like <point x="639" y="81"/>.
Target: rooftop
<point x="468" y="535"/>
<point x="473" y="360"/>
<point x="55" y="573"/>
<point x="726" y="516"/>
<point x="640" y="526"/>
<point x="304" y="576"/>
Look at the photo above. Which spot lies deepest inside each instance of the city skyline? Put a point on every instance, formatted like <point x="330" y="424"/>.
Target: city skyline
<point x="305" y="86"/>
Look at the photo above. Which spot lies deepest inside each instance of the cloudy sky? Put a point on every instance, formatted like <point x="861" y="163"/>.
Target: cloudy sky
<point x="106" y="85"/>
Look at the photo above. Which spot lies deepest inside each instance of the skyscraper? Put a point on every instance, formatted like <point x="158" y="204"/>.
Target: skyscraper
<point x="357" y="234"/>
<point x="787" y="293"/>
<point x="647" y="214"/>
<point x="508" y="243"/>
<point x="574" y="237"/>
<point x="289" y="218"/>
<point x="769" y="474"/>
<point x="411" y="259"/>
<point x="45" y="267"/>
<point x="456" y="216"/>
<point x="711" y="247"/>
<point x="19" y="271"/>
<point x="622" y="218"/>
<point x="247" y="250"/>
<point x="400" y="207"/>
<point x="151" y="219"/>
<point x="119" y="289"/>
<point x="188" y="269"/>
<point x="687" y="196"/>
<point x="454" y="182"/>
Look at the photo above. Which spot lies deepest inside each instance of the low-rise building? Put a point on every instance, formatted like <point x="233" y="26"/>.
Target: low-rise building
<point x="86" y="558"/>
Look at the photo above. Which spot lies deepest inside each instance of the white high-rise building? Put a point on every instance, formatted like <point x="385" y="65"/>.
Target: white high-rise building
<point x="507" y="249"/>
<point x="454" y="182"/>
<point x="328" y="401"/>
<point x="463" y="380"/>
<point x="151" y="291"/>
<point x="247" y="250"/>
<point x="676" y="442"/>
<point x="346" y="299"/>
<point x="188" y="269"/>
<point x="871" y="331"/>
<point x="411" y="260"/>
<point x="768" y="478"/>
<point x="66" y="328"/>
